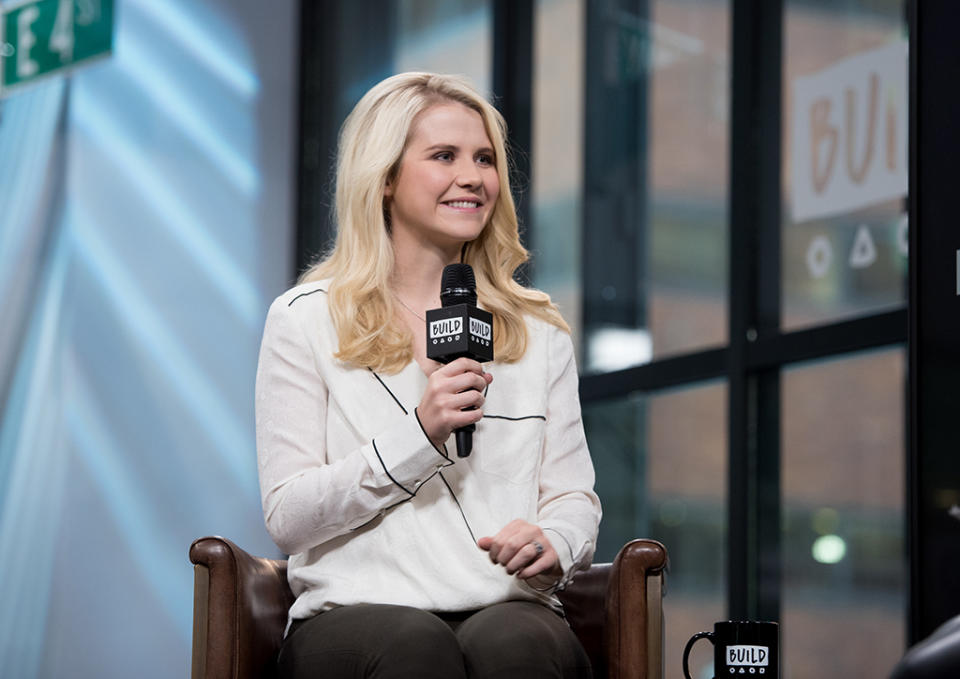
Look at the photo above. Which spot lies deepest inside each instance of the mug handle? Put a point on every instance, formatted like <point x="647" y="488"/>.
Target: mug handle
<point x="686" y="650"/>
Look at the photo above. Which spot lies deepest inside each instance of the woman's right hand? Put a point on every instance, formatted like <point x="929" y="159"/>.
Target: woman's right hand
<point x="450" y="390"/>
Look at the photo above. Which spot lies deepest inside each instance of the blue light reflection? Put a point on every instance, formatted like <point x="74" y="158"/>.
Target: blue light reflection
<point x="209" y="255"/>
<point x="188" y="379"/>
<point x="206" y="46"/>
<point x="164" y="92"/>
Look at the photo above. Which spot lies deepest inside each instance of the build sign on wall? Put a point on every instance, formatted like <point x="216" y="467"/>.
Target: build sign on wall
<point x="849" y="136"/>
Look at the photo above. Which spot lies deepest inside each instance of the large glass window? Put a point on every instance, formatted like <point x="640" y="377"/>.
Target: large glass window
<point x="775" y="482"/>
<point x="661" y="473"/>
<point x="844" y="570"/>
<point x="844" y="229"/>
<point x="630" y="219"/>
<point x="687" y="211"/>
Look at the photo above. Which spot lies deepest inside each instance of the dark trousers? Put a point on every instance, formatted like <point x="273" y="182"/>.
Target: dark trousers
<point x="377" y="641"/>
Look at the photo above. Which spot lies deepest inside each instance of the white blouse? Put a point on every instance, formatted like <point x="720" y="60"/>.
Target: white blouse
<point x="371" y="512"/>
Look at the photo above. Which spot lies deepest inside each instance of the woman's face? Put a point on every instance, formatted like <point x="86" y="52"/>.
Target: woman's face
<point x="447" y="184"/>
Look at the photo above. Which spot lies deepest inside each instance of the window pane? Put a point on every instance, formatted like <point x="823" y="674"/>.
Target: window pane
<point x="844" y="230"/>
<point x="688" y="154"/>
<point x="630" y="221"/>
<point x="661" y="473"/>
<point x="557" y="154"/>
<point x="844" y="579"/>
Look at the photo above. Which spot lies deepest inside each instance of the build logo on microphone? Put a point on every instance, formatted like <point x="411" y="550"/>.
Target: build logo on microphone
<point x="748" y="659"/>
<point x="481" y="331"/>
<point x="446" y="330"/>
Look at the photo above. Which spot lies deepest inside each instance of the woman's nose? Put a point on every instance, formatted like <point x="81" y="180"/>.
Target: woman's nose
<point x="468" y="175"/>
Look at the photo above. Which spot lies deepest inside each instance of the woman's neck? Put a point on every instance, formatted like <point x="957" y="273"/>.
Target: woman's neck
<point x="417" y="273"/>
<point x="416" y="285"/>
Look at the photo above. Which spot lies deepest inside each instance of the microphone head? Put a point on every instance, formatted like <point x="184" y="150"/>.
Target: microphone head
<point x="458" y="285"/>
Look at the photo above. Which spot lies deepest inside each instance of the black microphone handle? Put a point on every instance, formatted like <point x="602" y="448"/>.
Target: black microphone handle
<point x="458" y="288"/>
<point x="465" y="439"/>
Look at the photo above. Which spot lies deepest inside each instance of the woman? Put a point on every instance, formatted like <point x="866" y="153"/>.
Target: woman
<point x="407" y="561"/>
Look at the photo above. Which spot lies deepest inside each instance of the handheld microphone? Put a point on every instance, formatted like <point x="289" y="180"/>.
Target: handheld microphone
<point x="459" y="329"/>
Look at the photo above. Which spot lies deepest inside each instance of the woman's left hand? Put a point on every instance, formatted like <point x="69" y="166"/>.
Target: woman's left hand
<point x="515" y="548"/>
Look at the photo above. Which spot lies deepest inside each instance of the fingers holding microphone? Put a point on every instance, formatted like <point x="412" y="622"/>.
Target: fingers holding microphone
<point x="453" y="398"/>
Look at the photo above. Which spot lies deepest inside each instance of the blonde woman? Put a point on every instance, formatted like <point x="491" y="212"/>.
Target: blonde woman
<point x="407" y="561"/>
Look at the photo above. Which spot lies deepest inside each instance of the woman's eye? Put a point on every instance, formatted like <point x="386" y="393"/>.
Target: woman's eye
<point x="485" y="159"/>
<point x="444" y="155"/>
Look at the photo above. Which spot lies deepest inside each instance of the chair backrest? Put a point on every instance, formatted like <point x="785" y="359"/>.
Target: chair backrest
<point x="241" y="603"/>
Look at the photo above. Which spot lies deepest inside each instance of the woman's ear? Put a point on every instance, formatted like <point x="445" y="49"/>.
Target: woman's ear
<point x="390" y="183"/>
<point x="387" y="198"/>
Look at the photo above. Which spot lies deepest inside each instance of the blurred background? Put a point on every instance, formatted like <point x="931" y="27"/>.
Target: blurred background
<point x="714" y="192"/>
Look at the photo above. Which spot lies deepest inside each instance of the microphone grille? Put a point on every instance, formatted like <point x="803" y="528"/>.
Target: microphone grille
<point x="458" y="276"/>
<point x="458" y="285"/>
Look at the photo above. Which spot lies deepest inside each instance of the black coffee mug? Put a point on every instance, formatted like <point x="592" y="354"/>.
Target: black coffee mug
<point x="746" y="648"/>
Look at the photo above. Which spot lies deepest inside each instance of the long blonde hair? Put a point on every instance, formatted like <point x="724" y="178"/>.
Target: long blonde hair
<point x="371" y="145"/>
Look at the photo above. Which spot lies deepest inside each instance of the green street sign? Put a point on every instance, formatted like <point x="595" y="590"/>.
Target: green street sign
<point x="42" y="37"/>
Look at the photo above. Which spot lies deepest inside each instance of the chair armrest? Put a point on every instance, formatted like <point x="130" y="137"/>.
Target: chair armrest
<point x="633" y="633"/>
<point x="240" y="610"/>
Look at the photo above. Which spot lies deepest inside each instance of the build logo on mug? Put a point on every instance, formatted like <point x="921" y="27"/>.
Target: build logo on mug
<point x="741" y="648"/>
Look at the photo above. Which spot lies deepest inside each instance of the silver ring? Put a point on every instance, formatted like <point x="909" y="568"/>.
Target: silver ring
<point x="537" y="546"/>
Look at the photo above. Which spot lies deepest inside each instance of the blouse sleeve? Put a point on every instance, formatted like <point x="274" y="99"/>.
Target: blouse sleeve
<point x="308" y="500"/>
<point x="568" y="510"/>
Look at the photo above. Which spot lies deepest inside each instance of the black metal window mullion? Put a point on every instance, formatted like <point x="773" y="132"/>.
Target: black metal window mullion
<point x="332" y="71"/>
<point x="933" y="467"/>
<point x="883" y="329"/>
<point x="754" y="261"/>
<point x="513" y="40"/>
<point x="318" y="81"/>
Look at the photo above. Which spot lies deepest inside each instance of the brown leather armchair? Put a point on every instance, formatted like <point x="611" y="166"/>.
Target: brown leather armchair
<point x="240" y="605"/>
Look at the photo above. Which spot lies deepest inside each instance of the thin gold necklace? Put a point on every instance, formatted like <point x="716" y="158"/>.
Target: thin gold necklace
<point x="408" y="308"/>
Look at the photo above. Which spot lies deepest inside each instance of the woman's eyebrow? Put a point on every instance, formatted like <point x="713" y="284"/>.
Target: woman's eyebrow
<point x="454" y="147"/>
